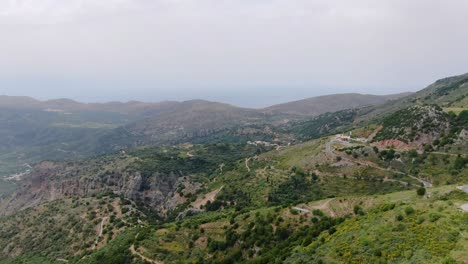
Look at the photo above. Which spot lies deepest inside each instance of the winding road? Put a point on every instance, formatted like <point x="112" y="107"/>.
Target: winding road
<point x="135" y="252"/>
<point x="247" y="164"/>
<point x="329" y="150"/>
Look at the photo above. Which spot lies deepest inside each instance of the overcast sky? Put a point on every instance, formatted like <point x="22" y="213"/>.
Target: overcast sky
<point x="245" y="52"/>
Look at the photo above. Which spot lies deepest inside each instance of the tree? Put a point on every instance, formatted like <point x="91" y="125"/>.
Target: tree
<point x="459" y="163"/>
<point x="413" y="153"/>
<point x="421" y="191"/>
<point x="376" y="149"/>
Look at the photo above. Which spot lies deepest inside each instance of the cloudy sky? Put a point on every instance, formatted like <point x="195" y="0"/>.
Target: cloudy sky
<point x="245" y="52"/>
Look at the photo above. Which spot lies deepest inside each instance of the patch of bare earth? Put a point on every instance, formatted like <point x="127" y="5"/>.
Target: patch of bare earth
<point x="324" y="207"/>
<point x="202" y="242"/>
<point x="398" y="144"/>
<point x="208" y="197"/>
<point x="372" y="135"/>
<point x="464" y="207"/>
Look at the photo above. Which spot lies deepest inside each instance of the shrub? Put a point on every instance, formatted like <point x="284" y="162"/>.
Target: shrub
<point x="399" y="217"/>
<point x="421" y="191"/>
<point x="317" y="212"/>
<point x="387" y="207"/>
<point x="376" y="149"/>
<point x="358" y="210"/>
<point x="409" y="210"/>
<point x="434" y="217"/>
<point x="294" y="211"/>
<point x="413" y="153"/>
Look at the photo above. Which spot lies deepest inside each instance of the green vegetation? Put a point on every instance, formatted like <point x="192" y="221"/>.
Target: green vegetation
<point x="323" y="125"/>
<point x="421" y="191"/>
<point x="66" y="229"/>
<point x="398" y="227"/>
<point x="225" y="201"/>
<point x="411" y="123"/>
<point x="425" y="232"/>
<point x="295" y="190"/>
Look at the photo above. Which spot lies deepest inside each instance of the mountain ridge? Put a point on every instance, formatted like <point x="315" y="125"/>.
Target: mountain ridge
<point x="314" y="106"/>
<point x="30" y="102"/>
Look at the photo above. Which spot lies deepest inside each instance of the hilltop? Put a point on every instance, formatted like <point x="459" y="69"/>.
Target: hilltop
<point x="332" y="103"/>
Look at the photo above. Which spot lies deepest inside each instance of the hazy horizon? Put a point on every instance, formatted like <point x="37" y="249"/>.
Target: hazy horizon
<point x="247" y="104"/>
<point x="250" y="54"/>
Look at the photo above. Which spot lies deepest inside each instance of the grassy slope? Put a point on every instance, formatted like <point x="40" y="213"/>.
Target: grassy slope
<point x="65" y="229"/>
<point x="432" y="229"/>
<point x="416" y="230"/>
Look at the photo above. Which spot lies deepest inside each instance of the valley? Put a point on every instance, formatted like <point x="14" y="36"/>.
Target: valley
<point x="373" y="180"/>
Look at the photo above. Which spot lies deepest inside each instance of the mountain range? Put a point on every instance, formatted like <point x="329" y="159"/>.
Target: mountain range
<point x="65" y="128"/>
<point x="335" y="179"/>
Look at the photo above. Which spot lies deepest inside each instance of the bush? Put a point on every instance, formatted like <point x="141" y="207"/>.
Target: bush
<point x="421" y="191"/>
<point x="434" y="217"/>
<point x="317" y="212"/>
<point x="376" y="149"/>
<point x="358" y="210"/>
<point x="409" y="210"/>
<point x="387" y="207"/>
<point x="399" y="217"/>
<point x="413" y="153"/>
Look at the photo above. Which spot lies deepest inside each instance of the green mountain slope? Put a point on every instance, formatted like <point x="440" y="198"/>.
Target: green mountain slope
<point x="447" y="92"/>
<point x="356" y="197"/>
<point x="332" y="103"/>
<point x="398" y="228"/>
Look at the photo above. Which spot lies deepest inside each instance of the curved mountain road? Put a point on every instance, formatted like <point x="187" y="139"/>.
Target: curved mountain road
<point x="329" y="150"/>
<point x="247" y="164"/>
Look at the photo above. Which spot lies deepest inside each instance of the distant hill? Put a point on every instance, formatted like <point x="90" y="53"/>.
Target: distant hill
<point x="197" y="118"/>
<point x="447" y="92"/>
<point x="451" y="92"/>
<point x="332" y="103"/>
<point x="131" y="108"/>
<point x="34" y="130"/>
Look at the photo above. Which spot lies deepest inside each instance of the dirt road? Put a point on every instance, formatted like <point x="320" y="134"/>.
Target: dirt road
<point x="134" y="252"/>
<point x="247" y="164"/>
<point x="208" y="197"/>
<point x="329" y="150"/>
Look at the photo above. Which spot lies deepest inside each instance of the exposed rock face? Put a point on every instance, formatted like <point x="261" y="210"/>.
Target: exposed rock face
<point x="51" y="181"/>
